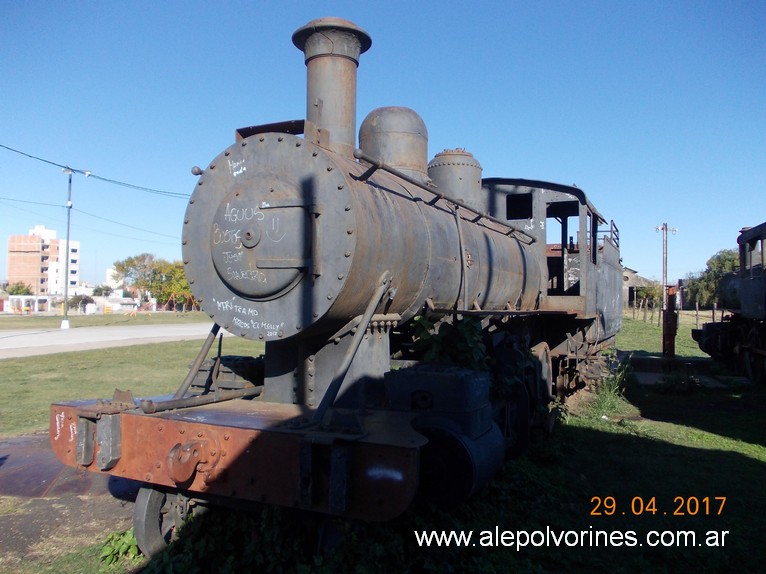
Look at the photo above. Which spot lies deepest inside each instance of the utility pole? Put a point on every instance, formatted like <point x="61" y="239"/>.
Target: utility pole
<point x="65" y="321"/>
<point x="669" y="322"/>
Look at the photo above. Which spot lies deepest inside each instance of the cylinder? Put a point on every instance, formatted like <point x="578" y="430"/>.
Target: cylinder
<point x="332" y="47"/>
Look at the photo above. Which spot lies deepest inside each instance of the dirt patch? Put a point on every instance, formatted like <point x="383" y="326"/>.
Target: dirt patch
<point x="38" y="530"/>
<point x="578" y="402"/>
<point x="48" y="509"/>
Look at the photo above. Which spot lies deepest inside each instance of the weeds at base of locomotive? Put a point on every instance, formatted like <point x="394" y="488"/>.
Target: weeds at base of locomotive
<point x="420" y="323"/>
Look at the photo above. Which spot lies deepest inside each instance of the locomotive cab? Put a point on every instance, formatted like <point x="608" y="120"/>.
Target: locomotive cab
<point x="583" y="272"/>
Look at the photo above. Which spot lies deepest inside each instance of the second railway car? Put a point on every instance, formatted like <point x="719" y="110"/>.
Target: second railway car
<point x="740" y="338"/>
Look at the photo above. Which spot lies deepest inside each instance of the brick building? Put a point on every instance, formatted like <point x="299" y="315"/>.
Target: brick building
<point x="39" y="260"/>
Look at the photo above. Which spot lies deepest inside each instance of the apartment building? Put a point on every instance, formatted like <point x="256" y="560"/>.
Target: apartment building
<point x="39" y="260"/>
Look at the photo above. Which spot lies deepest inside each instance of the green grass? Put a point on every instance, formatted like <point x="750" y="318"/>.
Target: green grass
<point x="78" y="561"/>
<point x="635" y="444"/>
<point x="31" y="384"/>
<point x="645" y="338"/>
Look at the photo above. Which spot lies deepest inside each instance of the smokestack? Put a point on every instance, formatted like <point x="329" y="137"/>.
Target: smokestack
<point x="332" y="47"/>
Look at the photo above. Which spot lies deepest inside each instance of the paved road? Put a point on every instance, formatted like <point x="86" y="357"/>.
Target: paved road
<point x="30" y="342"/>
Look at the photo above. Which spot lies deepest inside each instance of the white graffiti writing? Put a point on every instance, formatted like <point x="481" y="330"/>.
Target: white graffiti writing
<point x="249" y="274"/>
<point x="230" y="257"/>
<point x="269" y="326"/>
<point x="59" y="425"/>
<point x="237" y="214"/>
<point x="240" y="323"/>
<point x="225" y="305"/>
<point x="246" y="322"/>
<point x="226" y="236"/>
<point x="272" y="329"/>
<point x="275" y="234"/>
<point x="237" y="167"/>
<point x="232" y="306"/>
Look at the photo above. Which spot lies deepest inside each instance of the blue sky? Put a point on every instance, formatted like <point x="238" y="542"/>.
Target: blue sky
<point x="656" y="109"/>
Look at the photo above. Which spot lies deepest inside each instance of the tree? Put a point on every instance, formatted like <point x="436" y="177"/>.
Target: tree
<point x="165" y="280"/>
<point x="651" y="293"/>
<point x="19" y="289"/>
<point x="79" y="301"/>
<point x="169" y="284"/>
<point x="102" y="291"/>
<point x="138" y="270"/>
<point x="705" y="287"/>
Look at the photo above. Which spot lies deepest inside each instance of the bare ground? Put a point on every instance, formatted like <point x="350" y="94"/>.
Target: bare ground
<point x="34" y="531"/>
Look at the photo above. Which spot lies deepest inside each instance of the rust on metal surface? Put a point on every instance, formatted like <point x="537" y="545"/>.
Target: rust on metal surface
<point x="184" y="460"/>
<point x="204" y="451"/>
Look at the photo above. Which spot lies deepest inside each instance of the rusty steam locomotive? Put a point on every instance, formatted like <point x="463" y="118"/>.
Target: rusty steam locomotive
<point x="417" y="319"/>
<point x="740" y="338"/>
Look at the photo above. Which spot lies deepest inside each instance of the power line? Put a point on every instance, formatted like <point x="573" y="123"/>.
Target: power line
<point x="140" y="188"/>
<point x="125" y="224"/>
<point x="34" y="157"/>
<point x="32" y="202"/>
<point x="17" y="208"/>
<point x="118" y="236"/>
<point x="93" y="216"/>
<point x="87" y="173"/>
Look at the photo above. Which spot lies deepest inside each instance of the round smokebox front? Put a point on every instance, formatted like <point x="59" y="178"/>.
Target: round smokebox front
<point x="262" y="235"/>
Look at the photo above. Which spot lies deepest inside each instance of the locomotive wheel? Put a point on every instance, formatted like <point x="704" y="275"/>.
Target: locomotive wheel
<point x="754" y="362"/>
<point x="515" y="428"/>
<point x="543" y="354"/>
<point x="740" y="347"/>
<point x="155" y="519"/>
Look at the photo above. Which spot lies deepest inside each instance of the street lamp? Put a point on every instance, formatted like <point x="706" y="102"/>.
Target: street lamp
<point x="65" y="321"/>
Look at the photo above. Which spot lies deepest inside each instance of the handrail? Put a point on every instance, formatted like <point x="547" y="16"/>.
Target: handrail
<point x="377" y="164"/>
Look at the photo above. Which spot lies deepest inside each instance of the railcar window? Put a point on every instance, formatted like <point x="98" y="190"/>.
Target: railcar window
<point x="518" y="206"/>
<point x="591" y="237"/>
<point x="563" y="247"/>
<point x="754" y="257"/>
